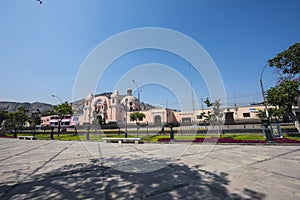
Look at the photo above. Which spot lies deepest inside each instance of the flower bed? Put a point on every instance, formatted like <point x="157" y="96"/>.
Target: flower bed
<point x="285" y="140"/>
<point x="230" y="140"/>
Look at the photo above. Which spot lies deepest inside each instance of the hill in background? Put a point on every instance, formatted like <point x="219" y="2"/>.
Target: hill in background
<point x="77" y="105"/>
<point x="13" y="106"/>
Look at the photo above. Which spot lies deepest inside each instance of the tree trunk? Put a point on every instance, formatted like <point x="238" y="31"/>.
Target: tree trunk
<point x="59" y="126"/>
<point x="15" y="133"/>
<point x="52" y="132"/>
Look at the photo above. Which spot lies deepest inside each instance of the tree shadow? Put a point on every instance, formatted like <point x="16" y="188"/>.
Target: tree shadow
<point x="94" y="180"/>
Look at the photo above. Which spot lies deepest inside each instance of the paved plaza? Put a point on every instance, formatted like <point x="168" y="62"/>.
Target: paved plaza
<point x="48" y="169"/>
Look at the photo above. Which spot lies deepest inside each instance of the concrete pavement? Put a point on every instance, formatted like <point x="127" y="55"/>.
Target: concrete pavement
<point x="46" y="169"/>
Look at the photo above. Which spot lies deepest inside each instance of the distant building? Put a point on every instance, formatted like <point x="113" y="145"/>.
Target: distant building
<point x="52" y="120"/>
<point x="116" y="107"/>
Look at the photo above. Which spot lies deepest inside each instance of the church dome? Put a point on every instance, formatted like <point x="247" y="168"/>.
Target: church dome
<point x="130" y="99"/>
<point x="129" y="92"/>
<point x="133" y="103"/>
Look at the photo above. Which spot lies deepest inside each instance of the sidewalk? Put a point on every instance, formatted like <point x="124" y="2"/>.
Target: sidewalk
<point x="91" y="170"/>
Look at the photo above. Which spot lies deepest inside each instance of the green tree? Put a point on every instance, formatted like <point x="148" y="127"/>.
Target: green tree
<point x="35" y="118"/>
<point x="47" y="113"/>
<point x="62" y="110"/>
<point x="3" y="116"/>
<point x="11" y="120"/>
<point x="208" y="102"/>
<point x="17" y="119"/>
<point x="288" y="61"/>
<point x="213" y="117"/>
<point x="20" y="117"/>
<point x="137" y="116"/>
<point x="206" y="116"/>
<point x="283" y="96"/>
<point x="274" y="113"/>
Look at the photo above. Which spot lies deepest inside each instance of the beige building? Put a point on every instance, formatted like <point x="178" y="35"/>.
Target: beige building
<point x="117" y="108"/>
<point x="232" y="115"/>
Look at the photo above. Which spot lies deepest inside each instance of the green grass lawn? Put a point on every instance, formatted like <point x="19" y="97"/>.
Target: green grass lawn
<point x="245" y="137"/>
<point x="152" y="138"/>
<point x="293" y="137"/>
<point x="74" y="137"/>
<point x="155" y="138"/>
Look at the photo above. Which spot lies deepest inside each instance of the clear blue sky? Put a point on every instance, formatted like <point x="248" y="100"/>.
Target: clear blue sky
<point x="43" y="46"/>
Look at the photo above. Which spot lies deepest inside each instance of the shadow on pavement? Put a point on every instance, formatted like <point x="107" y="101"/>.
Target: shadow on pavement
<point x="96" y="181"/>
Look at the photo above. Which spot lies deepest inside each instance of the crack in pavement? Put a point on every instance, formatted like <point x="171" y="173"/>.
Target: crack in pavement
<point x="216" y="150"/>
<point x="37" y="169"/>
<point x="273" y="157"/>
<point x="283" y="175"/>
<point x="40" y="167"/>
<point x="17" y="154"/>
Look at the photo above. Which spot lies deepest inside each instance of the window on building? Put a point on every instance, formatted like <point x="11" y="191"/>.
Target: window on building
<point x="246" y="114"/>
<point x="199" y="116"/>
<point x="186" y="120"/>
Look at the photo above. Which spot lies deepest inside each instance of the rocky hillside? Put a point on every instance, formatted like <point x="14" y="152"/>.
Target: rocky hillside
<point x="13" y="106"/>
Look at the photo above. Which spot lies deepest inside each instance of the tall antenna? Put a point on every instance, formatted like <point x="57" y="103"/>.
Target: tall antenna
<point x="191" y="83"/>
<point x="167" y="111"/>
<point x="234" y="99"/>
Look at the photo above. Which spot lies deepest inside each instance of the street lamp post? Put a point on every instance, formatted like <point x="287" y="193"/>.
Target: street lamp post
<point x="60" y="118"/>
<point x="126" y="101"/>
<point x="57" y="98"/>
<point x="139" y="95"/>
<point x="263" y="92"/>
<point x="267" y="129"/>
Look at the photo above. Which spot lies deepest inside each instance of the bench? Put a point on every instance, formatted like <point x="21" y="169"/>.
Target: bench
<point x="26" y="138"/>
<point x="120" y="140"/>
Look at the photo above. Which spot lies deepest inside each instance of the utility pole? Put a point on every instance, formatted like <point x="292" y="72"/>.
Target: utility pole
<point x="167" y="111"/>
<point x="138" y="89"/>
<point x="266" y="125"/>
<point x="126" y="101"/>
<point x="263" y="93"/>
<point x="192" y="91"/>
